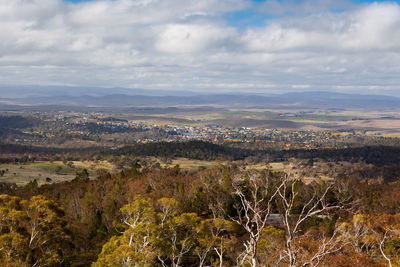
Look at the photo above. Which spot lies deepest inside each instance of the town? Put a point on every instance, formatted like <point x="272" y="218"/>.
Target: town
<point x="113" y="130"/>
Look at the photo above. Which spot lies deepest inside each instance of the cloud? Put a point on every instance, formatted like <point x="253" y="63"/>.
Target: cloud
<point x="189" y="45"/>
<point x="295" y="7"/>
<point x="375" y="27"/>
<point x="192" y="38"/>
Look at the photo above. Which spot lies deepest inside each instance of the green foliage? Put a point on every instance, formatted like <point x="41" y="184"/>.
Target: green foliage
<point x="135" y="169"/>
<point x="230" y="206"/>
<point x="192" y="149"/>
<point x="132" y="248"/>
<point x="198" y="201"/>
<point x="271" y="239"/>
<point x="151" y="237"/>
<point x="33" y="232"/>
<point x="393" y="247"/>
<point x="15" y="122"/>
<point x="98" y="227"/>
<point x="176" y="169"/>
<point x="82" y="177"/>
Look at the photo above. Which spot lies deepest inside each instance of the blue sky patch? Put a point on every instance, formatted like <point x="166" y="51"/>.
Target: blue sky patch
<point x="247" y="18"/>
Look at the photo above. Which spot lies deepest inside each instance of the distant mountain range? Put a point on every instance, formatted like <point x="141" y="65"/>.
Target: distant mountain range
<point x="126" y="98"/>
<point x="22" y="91"/>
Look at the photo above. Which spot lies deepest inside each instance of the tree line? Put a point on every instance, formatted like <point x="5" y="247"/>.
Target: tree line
<point x="378" y="155"/>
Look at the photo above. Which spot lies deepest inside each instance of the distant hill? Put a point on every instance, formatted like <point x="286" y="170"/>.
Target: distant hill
<point x="135" y="98"/>
<point x="340" y="100"/>
<point x="23" y="91"/>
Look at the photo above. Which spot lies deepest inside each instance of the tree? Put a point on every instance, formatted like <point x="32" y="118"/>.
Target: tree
<point x="33" y="231"/>
<point x="133" y="247"/>
<point x="256" y="192"/>
<point x="359" y="233"/>
<point x="388" y="230"/>
<point x="47" y="229"/>
<point x="177" y="238"/>
<point x="270" y="244"/>
<point x="150" y="237"/>
<point x="212" y="238"/>
<point x="168" y="207"/>
<point x="82" y="176"/>
<point x="296" y="214"/>
<point x="374" y="235"/>
<point x="13" y="245"/>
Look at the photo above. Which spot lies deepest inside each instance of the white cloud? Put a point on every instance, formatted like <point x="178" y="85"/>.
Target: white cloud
<point x="371" y="28"/>
<point x="189" y="45"/>
<point x="192" y="38"/>
<point x="295" y="7"/>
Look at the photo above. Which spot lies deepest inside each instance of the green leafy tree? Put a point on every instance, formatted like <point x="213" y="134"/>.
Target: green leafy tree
<point x="133" y="247"/>
<point x="212" y="238"/>
<point x="164" y="237"/>
<point x="33" y="232"/>
<point x="82" y="176"/>
<point x="177" y="238"/>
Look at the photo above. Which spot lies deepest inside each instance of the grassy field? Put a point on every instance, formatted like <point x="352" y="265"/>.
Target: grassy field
<point x="59" y="172"/>
<point x="56" y="171"/>
<point x="190" y="164"/>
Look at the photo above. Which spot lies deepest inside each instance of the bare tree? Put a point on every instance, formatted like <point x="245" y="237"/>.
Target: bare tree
<point x="381" y="247"/>
<point x="256" y="192"/>
<point x="317" y="205"/>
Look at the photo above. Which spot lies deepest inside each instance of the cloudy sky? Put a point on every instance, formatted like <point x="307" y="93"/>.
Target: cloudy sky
<point x="203" y="45"/>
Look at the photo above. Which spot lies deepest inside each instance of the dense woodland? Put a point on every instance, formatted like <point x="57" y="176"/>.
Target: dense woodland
<point x="224" y="216"/>
<point x="208" y="151"/>
<point x="12" y="122"/>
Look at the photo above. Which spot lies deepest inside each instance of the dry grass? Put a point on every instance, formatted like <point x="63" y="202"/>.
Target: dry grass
<point x="56" y="171"/>
<point x="189" y="164"/>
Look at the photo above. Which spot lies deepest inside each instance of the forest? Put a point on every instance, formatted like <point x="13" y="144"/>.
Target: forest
<point x="223" y="216"/>
<point x="375" y="154"/>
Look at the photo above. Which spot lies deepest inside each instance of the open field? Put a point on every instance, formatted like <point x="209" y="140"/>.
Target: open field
<point x="289" y="168"/>
<point x="190" y="164"/>
<point x="57" y="171"/>
<point x="379" y="124"/>
<point x="277" y="118"/>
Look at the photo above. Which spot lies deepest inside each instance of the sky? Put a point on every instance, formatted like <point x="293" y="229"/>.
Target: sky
<point x="271" y="46"/>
